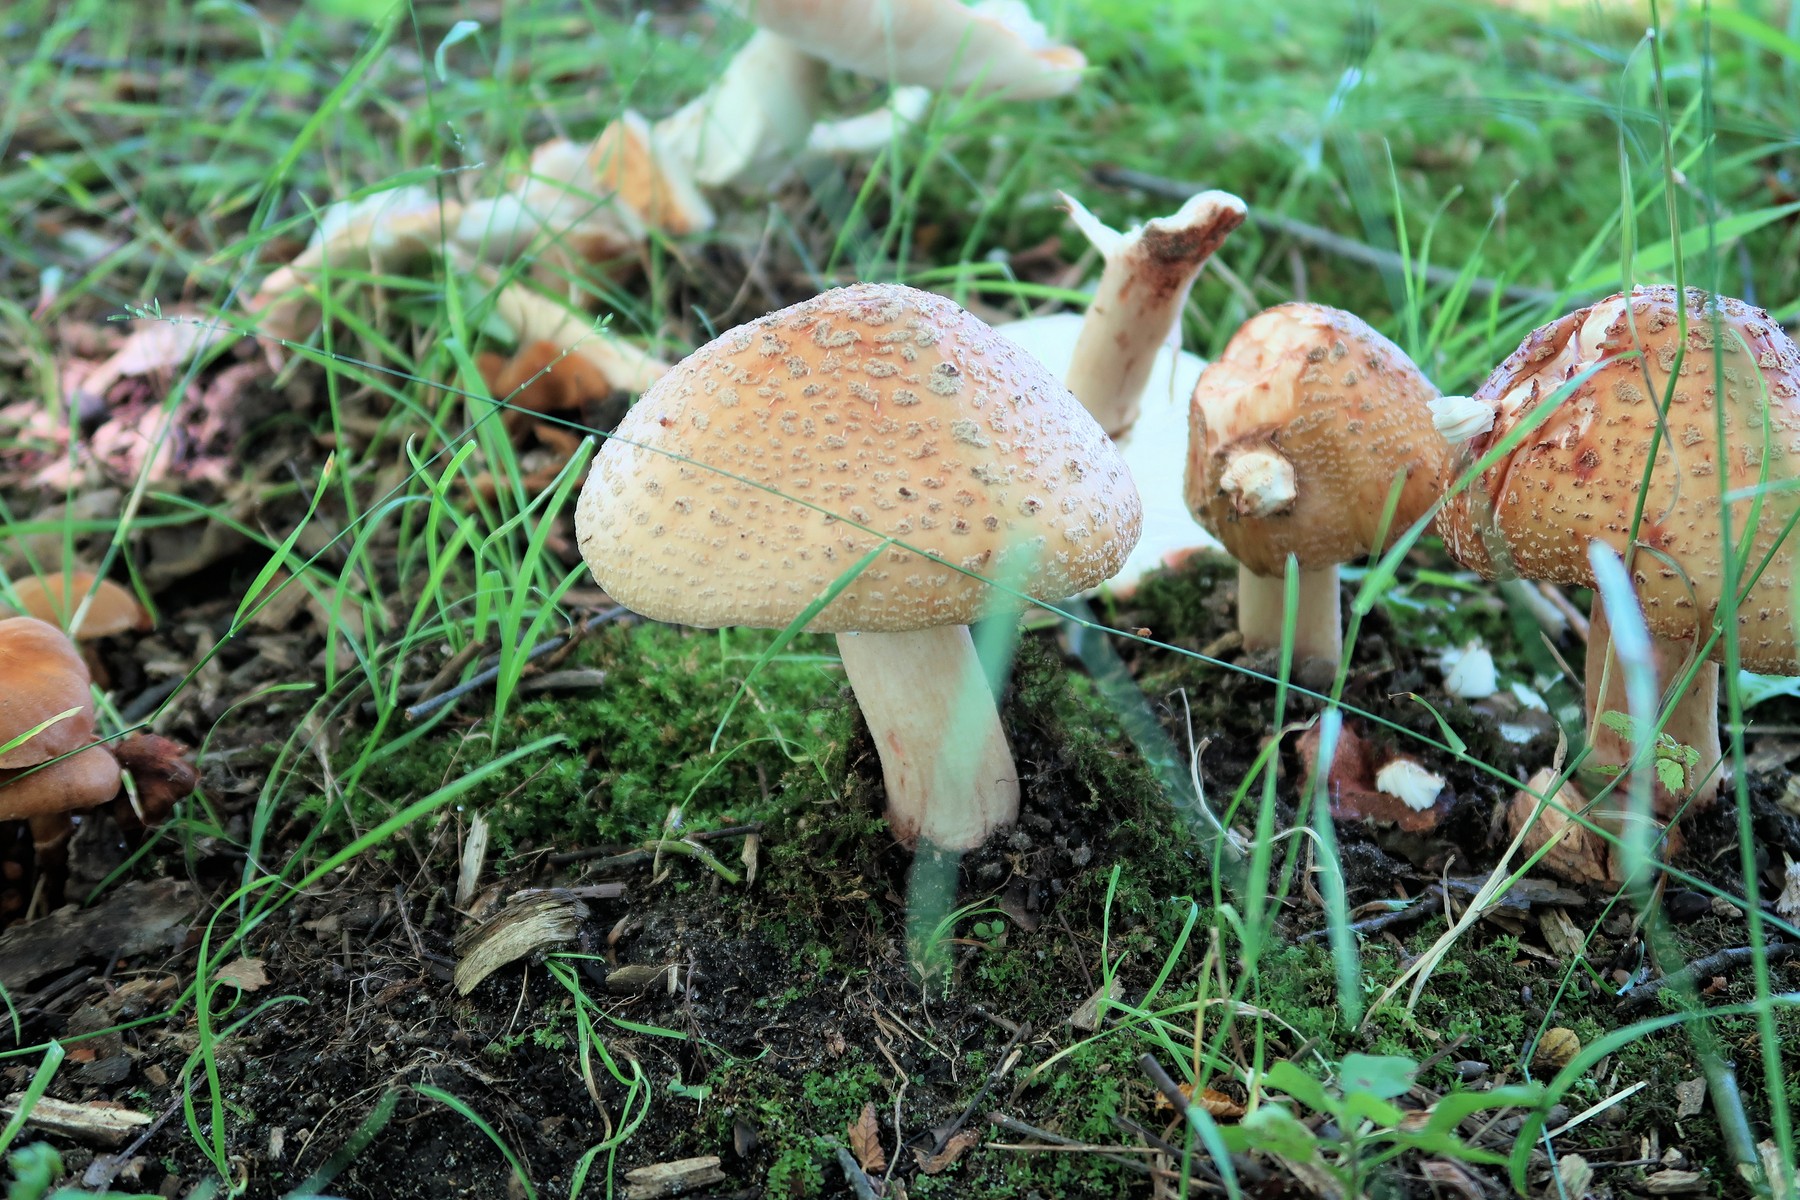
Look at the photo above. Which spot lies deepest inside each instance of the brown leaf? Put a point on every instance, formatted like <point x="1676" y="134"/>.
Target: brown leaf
<point x="1354" y="778"/>
<point x="246" y="973"/>
<point x="865" y="1142"/>
<point x="946" y="1158"/>
<point x="1216" y="1103"/>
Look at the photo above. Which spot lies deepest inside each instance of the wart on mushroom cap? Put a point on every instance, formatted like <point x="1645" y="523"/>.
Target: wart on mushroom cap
<point x="1578" y="478"/>
<point x="769" y="462"/>
<point x="1296" y="435"/>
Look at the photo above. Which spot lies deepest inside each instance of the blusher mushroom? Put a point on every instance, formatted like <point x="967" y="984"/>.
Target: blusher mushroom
<point x="45" y="677"/>
<point x="58" y="596"/>
<point x="1578" y="477"/>
<point x="1297" y="433"/>
<point x="771" y="461"/>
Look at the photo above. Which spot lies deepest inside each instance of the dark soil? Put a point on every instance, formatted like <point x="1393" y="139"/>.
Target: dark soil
<point x="798" y="1000"/>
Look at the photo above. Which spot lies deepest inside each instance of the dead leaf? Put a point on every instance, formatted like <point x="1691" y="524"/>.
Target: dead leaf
<point x="946" y="1158"/>
<point x="1577" y="854"/>
<point x="1788" y="903"/>
<point x="865" y="1141"/>
<point x="246" y="973"/>
<point x="156" y="344"/>
<point x="1352" y="784"/>
<point x="1216" y="1103"/>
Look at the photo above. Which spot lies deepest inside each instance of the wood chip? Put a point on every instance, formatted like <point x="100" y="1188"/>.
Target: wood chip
<point x="1690" y="1097"/>
<point x="1675" y="1183"/>
<point x="640" y="979"/>
<point x="1086" y="1017"/>
<point x="1574" y="1174"/>
<point x="1561" y="934"/>
<point x="673" y="1178"/>
<point x="246" y="973"/>
<point x="1788" y="903"/>
<point x="474" y="857"/>
<point x="526" y="925"/>
<point x="97" y="1124"/>
<point x="134" y="918"/>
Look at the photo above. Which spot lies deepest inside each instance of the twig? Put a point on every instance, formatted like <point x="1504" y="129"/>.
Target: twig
<point x="1057" y="1140"/>
<point x="611" y="860"/>
<point x="858" y="1181"/>
<point x="994" y="1076"/>
<point x="1331" y="243"/>
<point x="1431" y="903"/>
<point x="425" y="708"/>
<point x="1639" y="998"/>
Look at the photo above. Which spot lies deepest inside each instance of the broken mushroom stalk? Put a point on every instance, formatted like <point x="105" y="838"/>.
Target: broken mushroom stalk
<point x="770" y="462"/>
<point x="1123" y="360"/>
<point x="1655" y="359"/>
<point x="1297" y="435"/>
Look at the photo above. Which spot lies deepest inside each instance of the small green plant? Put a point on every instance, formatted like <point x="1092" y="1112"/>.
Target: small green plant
<point x="1675" y="763"/>
<point x="1370" y="1129"/>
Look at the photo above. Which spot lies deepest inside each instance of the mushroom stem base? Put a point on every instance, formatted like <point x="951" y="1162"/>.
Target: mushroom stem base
<point x="1694" y="720"/>
<point x="1318" y="627"/>
<point x="950" y="776"/>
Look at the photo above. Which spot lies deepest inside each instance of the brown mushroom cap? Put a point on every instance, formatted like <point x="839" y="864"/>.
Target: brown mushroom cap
<point x="1576" y="478"/>
<point x="876" y="404"/>
<point x="44" y="676"/>
<point x="80" y="781"/>
<point x="56" y="596"/>
<point x="1342" y="406"/>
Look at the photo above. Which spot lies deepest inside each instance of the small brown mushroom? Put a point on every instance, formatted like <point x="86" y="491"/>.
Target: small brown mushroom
<point x="58" y="597"/>
<point x="1296" y="435"/>
<point x="1579" y="476"/>
<point x="771" y="461"/>
<point x="45" y="678"/>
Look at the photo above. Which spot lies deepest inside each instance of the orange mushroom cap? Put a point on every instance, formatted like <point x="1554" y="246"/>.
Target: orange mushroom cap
<point x="79" y="781"/>
<point x="1295" y="435"/>
<point x="44" y="676"/>
<point x="878" y="404"/>
<point x="55" y="598"/>
<point x="1578" y="476"/>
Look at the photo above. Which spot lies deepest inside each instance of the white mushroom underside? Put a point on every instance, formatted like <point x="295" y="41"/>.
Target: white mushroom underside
<point x="1154" y="449"/>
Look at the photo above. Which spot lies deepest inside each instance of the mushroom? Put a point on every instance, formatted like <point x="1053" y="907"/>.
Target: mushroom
<point x="1297" y="433"/>
<point x="773" y="460"/>
<point x="56" y="770"/>
<point x="1578" y="478"/>
<point x="59" y="596"/>
<point x="748" y="129"/>
<point x="1126" y="350"/>
<point x="387" y="231"/>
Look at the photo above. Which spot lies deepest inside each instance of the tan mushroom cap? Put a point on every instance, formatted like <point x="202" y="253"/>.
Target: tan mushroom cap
<point x="1576" y="478"/>
<point x="70" y="784"/>
<point x="55" y="598"/>
<point x="44" y="676"/>
<point x="875" y="404"/>
<point x="1345" y="409"/>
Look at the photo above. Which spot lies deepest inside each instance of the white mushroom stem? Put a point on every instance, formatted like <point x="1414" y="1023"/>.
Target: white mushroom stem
<point x="536" y="318"/>
<point x="875" y="130"/>
<point x="1260" y="481"/>
<point x="950" y="776"/>
<point x="1318" y="624"/>
<point x="747" y="129"/>
<point x="995" y="45"/>
<point x="1137" y="305"/>
<point x="1694" y="720"/>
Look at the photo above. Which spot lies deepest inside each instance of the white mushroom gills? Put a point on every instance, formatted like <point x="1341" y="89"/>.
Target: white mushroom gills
<point x="1260" y="482"/>
<point x="1408" y="781"/>
<point x="1460" y="418"/>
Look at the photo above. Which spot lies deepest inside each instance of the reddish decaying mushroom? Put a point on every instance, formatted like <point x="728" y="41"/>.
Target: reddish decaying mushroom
<point x="771" y="461"/>
<point x="1297" y="433"/>
<point x="1579" y="478"/>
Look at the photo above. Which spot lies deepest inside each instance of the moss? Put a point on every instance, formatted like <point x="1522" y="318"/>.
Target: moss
<point x="639" y="745"/>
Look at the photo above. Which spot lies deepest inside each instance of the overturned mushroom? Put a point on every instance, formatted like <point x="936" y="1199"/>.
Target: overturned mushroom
<point x="772" y="461"/>
<point x="1691" y="365"/>
<point x="1119" y="361"/>
<point x="1297" y="434"/>
<point x="749" y="128"/>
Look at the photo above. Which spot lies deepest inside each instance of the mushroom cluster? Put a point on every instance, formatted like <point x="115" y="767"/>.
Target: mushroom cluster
<point x="880" y="427"/>
<point x="1633" y="457"/>
<point x="1297" y="435"/>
